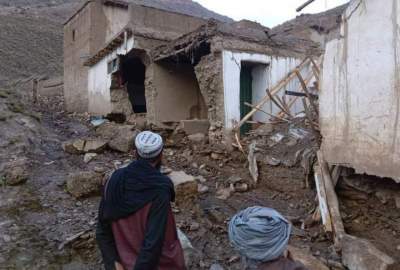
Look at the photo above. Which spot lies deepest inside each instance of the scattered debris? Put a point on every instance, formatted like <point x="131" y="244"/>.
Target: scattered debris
<point x="216" y="266"/>
<point x="361" y="254"/>
<point x="195" y="126"/>
<point x="94" y="146"/>
<point x="202" y="188"/>
<point x="74" y="146"/>
<point x="188" y="250"/>
<point x="89" y="157"/>
<point x="97" y="121"/>
<point x="186" y="186"/>
<point x="253" y="162"/>
<point x="306" y="258"/>
<point x="224" y="193"/>
<point x="197" y="138"/>
<point x="16" y="172"/>
<point x="120" y="137"/>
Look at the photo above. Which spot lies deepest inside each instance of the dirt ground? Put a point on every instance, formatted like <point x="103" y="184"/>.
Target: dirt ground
<point x="37" y="217"/>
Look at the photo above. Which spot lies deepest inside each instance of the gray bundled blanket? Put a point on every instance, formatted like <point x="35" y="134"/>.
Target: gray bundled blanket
<point x="259" y="233"/>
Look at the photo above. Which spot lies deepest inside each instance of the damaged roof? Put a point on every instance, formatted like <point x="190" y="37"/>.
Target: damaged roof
<point x="243" y="36"/>
<point x="324" y="23"/>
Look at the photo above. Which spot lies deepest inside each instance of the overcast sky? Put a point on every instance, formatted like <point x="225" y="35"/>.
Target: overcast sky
<point x="266" y="12"/>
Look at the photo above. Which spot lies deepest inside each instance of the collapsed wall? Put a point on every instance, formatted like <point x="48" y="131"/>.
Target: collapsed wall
<point x="360" y="95"/>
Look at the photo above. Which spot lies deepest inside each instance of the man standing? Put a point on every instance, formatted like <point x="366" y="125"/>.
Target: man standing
<point x="136" y="228"/>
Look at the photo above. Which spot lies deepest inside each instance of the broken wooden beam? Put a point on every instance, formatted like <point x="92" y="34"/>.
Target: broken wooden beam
<point x="332" y="200"/>
<point x="305" y="89"/>
<point x="280" y="106"/>
<point x="322" y="200"/>
<point x="267" y="113"/>
<point x="253" y="169"/>
<point x="291" y="75"/>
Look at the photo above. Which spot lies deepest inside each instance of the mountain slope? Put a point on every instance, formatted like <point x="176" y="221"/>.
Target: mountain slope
<point x="29" y="46"/>
<point x="31" y="33"/>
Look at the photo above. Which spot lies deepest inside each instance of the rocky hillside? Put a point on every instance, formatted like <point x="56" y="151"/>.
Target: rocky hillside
<point x="31" y="33"/>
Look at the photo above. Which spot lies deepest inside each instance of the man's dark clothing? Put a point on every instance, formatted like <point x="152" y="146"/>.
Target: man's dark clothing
<point x="136" y="226"/>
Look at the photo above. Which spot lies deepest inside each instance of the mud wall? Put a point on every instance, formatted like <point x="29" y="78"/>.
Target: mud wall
<point x="268" y="71"/>
<point x="209" y="76"/>
<point x="360" y="97"/>
<point x="161" y="20"/>
<point x="99" y="81"/>
<point x="177" y="94"/>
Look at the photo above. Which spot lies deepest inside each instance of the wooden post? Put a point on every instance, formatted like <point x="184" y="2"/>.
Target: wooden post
<point x="322" y="200"/>
<point x="333" y="203"/>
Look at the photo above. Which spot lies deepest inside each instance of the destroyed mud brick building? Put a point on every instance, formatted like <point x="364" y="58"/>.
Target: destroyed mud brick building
<point x="360" y="93"/>
<point x="126" y="59"/>
<point x="96" y="30"/>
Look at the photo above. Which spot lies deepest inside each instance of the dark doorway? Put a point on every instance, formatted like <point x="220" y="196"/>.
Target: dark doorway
<point x="246" y="95"/>
<point x="133" y="73"/>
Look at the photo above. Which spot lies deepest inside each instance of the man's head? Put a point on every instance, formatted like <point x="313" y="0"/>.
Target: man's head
<point x="149" y="147"/>
<point x="260" y="234"/>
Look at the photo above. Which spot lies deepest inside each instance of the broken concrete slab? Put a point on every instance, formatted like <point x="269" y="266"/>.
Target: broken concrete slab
<point x="94" y="146"/>
<point x="185" y="185"/>
<point x="195" y="126"/>
<point x="84" y="184"/>
<point x="74" y="147"/>
<point x="360" y="254"/>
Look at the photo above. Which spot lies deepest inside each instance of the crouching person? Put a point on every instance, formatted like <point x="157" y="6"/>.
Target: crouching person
<point x="136" y="228"/>
<point x="261" y="236"/>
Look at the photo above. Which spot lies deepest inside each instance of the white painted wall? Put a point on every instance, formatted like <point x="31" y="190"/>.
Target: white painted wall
<point x="360" y="97"/>
<point x="100" y="81"/>
<point x="270" y="71"/>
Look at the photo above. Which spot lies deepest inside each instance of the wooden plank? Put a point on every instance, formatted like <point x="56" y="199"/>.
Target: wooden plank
<point x="305" y="89"/>
<point x="277" y="103"/>
<point x="267" y="113"/>
<point x="273" y="91"/>
<point x="309" y="116"/>
<point x="332" y="200"/>
<point x="322" y="200"/>
<point x="315" y="65"/>
<point x="291" y="103"/>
